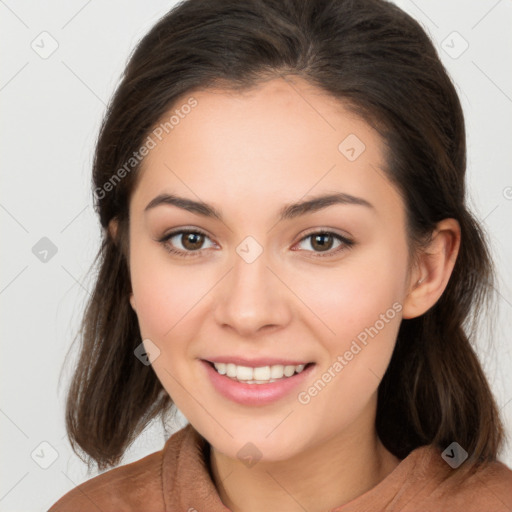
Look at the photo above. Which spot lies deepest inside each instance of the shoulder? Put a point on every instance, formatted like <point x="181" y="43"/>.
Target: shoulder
<point x="487" y="486"/>
<point x="124" y="488"/>
<point x="133" y="487"/>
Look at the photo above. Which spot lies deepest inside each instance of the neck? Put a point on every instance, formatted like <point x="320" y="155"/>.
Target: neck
<point x="319" y="479"/>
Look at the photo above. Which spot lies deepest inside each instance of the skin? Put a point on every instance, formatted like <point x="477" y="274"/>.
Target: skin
<point x="249" y="155"/>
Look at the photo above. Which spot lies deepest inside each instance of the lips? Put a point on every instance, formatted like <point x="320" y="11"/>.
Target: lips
<point x="254" y="394"/>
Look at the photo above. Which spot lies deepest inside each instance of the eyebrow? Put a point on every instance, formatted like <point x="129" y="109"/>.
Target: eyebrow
<point x="289" y="211"/>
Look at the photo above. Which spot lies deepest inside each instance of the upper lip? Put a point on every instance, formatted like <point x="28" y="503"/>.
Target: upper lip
<point x="256" y="363"/>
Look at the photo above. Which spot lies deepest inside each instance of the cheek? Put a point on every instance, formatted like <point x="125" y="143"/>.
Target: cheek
<point x="361" y="303"/>
<point x="165" y="293"/>
<point x="353" y="296"/>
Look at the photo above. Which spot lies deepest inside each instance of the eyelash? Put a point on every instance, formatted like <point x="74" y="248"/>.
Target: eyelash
<point x="346" y="243"/>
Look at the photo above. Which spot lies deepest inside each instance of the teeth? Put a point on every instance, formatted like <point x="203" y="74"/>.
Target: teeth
<point x="244" y="373"/>
<point x="259" y="375"/>
<point x="277" y="371"/>
<point x="289" y="370"/>
<point x="231" y="370"/>
<point x="221" y="368"/>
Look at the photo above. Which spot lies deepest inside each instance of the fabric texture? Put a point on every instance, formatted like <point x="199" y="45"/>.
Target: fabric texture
<point x="177" y="479"/>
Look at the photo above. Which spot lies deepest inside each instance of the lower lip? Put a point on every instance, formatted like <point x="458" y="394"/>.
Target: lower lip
<point x="255" y="394"/>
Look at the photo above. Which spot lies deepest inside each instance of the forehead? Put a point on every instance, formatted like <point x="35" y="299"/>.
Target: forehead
<point x="275" y="143"/>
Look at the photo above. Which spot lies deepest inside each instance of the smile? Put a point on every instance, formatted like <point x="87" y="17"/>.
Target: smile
<point x="258" y="385"/>
<point x="258" y="375"/>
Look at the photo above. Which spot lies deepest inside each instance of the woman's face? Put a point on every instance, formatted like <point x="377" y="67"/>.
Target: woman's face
<point x="261" y="286"/>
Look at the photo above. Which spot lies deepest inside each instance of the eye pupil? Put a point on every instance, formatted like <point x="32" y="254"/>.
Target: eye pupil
<point x="319" y="239"/>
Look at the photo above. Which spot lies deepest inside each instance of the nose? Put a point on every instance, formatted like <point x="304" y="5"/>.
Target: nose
<point x="251" y="299"/>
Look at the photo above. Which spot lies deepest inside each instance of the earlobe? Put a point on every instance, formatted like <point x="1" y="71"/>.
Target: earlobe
<point x="435" y="266"/>
<point x="112" y="229"/>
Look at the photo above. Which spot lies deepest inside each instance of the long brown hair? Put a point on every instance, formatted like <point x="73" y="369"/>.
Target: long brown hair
<point x="377" y="60"/>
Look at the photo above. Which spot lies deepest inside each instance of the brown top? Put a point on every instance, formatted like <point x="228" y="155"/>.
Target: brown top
<point x="177" y="479"/>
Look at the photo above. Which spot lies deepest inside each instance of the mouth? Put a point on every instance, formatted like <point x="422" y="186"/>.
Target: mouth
<point x="260" y="374"/>
<point x="256" y="385"/>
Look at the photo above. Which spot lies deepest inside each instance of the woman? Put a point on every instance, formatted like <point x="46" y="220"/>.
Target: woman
<point x="288" y="258"/>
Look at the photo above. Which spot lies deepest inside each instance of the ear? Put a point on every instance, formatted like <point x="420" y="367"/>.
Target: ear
<point x="112" y="229"/>
<point x="132" y="301"/>
<point x="430" y="276"/>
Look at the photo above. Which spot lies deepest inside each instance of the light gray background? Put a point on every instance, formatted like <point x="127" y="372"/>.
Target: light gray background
<point x="51" y="112"/>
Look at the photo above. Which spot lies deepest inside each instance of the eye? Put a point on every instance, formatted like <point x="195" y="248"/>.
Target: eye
<point x="191" y="242"/>
<point x="323" y="241"/>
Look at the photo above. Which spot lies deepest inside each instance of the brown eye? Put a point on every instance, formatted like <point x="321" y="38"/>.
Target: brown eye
<point x="192" y="241"/>
<point x="186" y="243"/>
<point x="322" y="241"/>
